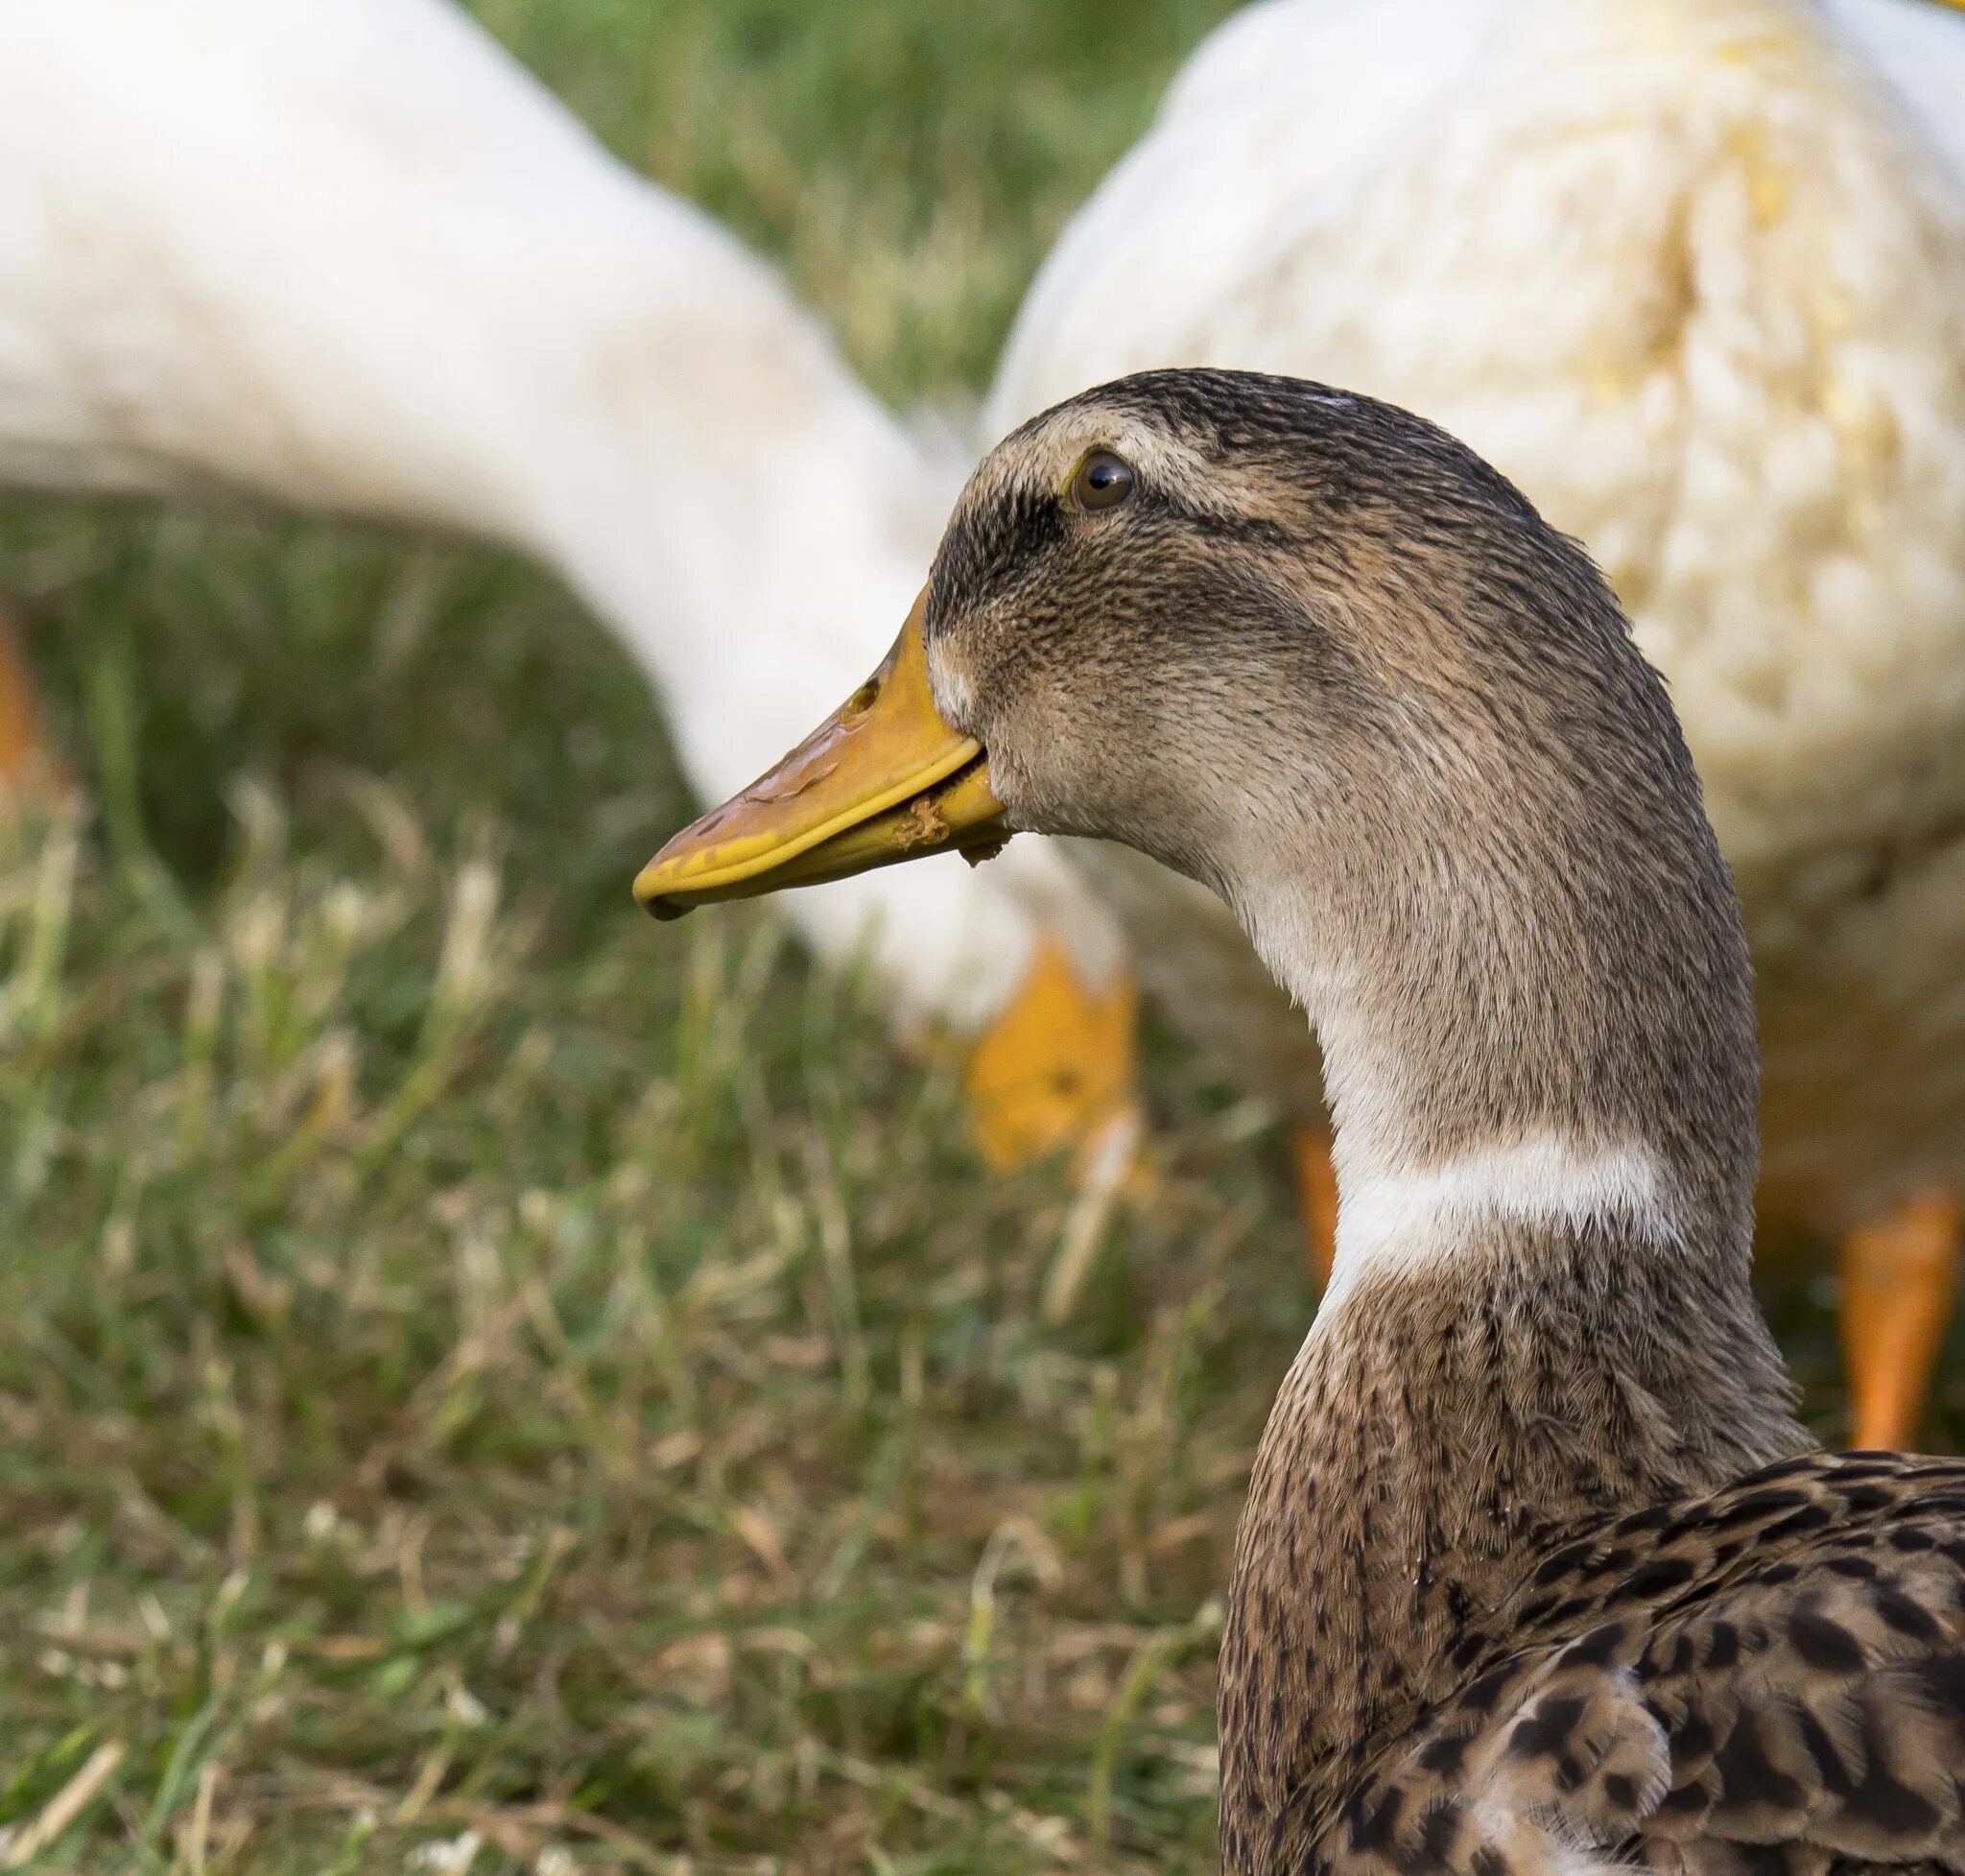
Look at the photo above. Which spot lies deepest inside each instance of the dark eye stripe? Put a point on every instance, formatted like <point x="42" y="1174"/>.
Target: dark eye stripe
<point x="995" y="538"/>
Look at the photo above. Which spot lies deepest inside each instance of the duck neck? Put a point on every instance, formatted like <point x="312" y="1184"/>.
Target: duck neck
<point x="1540" y="1313"/>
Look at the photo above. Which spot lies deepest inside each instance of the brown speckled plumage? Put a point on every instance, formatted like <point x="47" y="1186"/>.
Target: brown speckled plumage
<point x="1537" y="1575"/>
<point x="1434" y="1439"/>
<point x="1769" y="1677"/>
<point x="1562" y="1646"/>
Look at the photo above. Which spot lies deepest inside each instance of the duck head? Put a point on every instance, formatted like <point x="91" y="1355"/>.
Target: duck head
<point x="1173" y="612"/>
<point x="1309" y="649"/>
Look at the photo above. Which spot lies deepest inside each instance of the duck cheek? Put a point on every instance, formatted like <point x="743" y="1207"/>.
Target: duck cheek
<point x="952" y="684"/>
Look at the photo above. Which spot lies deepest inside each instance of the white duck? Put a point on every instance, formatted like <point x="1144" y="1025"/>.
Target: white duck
<point x="347" y="254"/>
<point x="1693" y="273"/>
<point x="429" y="296"/>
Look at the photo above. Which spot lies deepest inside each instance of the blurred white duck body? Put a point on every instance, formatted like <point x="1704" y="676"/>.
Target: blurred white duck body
<point x="1689" y="273"/>
<point x="347" y="254"/>
<point x="1682" y="268"/>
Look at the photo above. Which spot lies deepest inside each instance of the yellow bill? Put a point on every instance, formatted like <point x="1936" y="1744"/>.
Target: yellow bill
<point x="882" y="780"/>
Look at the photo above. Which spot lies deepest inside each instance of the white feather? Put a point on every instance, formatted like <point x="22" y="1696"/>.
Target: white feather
<point x="1410" y="1221"/>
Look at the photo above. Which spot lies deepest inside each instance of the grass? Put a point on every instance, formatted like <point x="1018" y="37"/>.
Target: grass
<point x="486" y="1383"/>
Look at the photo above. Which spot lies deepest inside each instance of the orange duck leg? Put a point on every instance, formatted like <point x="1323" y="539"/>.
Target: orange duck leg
<point x="1899" y="1275"/>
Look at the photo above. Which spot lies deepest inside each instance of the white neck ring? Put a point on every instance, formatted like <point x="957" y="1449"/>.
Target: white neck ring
<point x="1415" y="1220"/>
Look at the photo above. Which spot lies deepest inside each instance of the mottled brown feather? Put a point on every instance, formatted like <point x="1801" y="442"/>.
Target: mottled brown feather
<point x="1772" y="1676"/>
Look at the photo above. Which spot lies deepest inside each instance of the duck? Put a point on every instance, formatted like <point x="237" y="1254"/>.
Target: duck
<point x="1691" y="272"/>
<point x="1537" y="1572"/>
<point x="435" y="300"/>
<point x="431" y="298"/>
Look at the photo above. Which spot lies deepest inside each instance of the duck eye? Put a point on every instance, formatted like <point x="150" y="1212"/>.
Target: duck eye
<point x="1102" y="481"/>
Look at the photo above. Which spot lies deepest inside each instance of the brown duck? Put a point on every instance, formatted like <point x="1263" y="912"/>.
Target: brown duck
<point x="1537" y="1570"/>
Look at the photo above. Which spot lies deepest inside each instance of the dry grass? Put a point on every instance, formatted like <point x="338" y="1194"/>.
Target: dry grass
<point x="590" y="1402"/>
<point x="489" y="1385"/>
